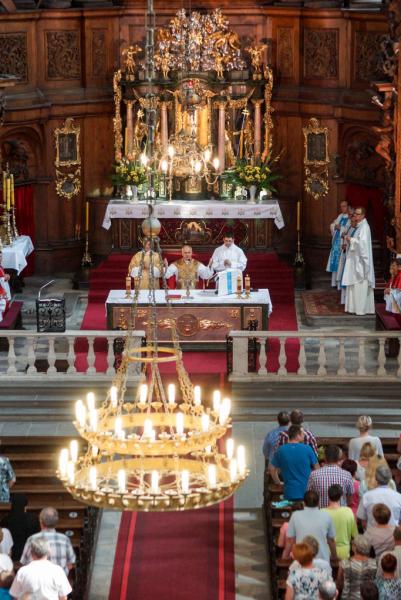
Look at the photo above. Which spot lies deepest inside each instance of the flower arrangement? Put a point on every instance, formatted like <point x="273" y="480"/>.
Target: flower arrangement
<point x="261" y="175"/>
<point x="129" y="172"/>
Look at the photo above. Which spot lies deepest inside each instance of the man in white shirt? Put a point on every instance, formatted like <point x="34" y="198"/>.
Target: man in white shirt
<point x="382" y="494"/>
<point x="187" y="270"/>
<point x="41" y="578"/>
<point x="228" y="256"/>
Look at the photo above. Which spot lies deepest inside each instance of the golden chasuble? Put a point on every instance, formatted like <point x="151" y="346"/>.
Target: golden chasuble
<point x="145" y="278"/>
<point x="187" y="271"/>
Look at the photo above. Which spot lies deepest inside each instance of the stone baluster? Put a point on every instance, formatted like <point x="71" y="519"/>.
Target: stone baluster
<point x="51" y="357"/>
<point x="282" y="359"/>
<point x="262" y="357"/>
<point x="71" y="356"/>
<point x="341" y="358"/>
<point x="240" y="356"/>
<point x="381" y="359"/>
<point x="361" y="357"/>
<point x="91" y="357"/>
<point x="302" y="358"/>
<point x="11" y="358"/>
<point x="31" y="355"/>
<point x="110" y="356"/>
<point x="321" y="359"/>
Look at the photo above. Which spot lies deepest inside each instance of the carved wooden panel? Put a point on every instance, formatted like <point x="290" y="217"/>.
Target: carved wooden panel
<point x="321" y="53"/>
<point x="285" y="51"/>
<point x="99" y="53"/>
<point x="368" y="60"/>
<point x="63" y="55"/>
<point x="362" y="164"/>
<point x="13" y="55"/>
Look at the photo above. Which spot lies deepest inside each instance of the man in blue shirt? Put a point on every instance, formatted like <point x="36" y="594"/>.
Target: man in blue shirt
<point x="295" y="462"/>
<point x="271" y="438"/>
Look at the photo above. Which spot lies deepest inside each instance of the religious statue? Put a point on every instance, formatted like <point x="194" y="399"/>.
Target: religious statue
<point x="255" y="53"/>
<point x="218" y="65"/>
<point x="165" y="63"/>
<point x="140" y="131"/>
<point x="129" y="60"/>
<point x="229" y="39"/>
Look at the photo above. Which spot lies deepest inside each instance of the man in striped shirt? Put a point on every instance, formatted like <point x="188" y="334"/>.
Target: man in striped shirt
<point x="331" y="474"/>
<point x="61" y="550"/>
<point x="297" y="418"/>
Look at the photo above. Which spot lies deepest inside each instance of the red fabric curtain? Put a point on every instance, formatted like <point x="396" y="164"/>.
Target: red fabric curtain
<point x="372" y="200"/>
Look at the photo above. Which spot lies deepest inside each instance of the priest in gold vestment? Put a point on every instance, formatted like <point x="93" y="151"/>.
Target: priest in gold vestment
<point x="187" y="270"/>
<point x="151" y="262"/>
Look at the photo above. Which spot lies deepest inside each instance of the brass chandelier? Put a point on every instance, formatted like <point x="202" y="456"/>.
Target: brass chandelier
<point x="162" y="449"/>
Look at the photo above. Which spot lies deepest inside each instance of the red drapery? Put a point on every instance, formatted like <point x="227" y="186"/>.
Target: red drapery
<point x="25" y="220"/>
<point x="372" y="200"/>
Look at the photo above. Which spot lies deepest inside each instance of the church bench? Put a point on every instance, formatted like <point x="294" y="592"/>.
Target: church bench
<point x="386" y="321"/>
<point x="12" y="319"/>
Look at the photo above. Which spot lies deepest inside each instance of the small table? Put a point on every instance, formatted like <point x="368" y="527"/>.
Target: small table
<point x="14" y="256"/>
<point x="202" y="322"/>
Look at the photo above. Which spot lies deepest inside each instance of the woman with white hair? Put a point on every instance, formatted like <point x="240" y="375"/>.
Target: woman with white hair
<point x="353" y="571"/>
<point x="328" y="591"/>
<point x="364" y="425"/>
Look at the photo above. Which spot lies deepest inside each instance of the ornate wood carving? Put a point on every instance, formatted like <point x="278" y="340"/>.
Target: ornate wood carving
<point x="362" y="165"/>
<point x="99" y="53"/>
<point x="285" y="51"/>
<point x="368" y="62"/>
<point x="13" y="55"/>
<point x="63" y="55"/>
<point x="321" y="53"/>
<point x="16" y="154"/>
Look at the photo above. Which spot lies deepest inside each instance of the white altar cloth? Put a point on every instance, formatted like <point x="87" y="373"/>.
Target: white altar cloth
<point x="188" y="209"/>
<point x="14" y="256"/>
<point x="262" y="296"/>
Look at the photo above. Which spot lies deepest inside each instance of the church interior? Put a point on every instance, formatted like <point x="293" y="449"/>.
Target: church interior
<point x="200" y="267"/>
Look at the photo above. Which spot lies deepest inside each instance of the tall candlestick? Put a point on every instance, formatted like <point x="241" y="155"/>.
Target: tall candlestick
<point x="299" y="215"/>
<point x="87" y="216"/>
<point x="12" y="188"/>
<point x="8" y="192"/>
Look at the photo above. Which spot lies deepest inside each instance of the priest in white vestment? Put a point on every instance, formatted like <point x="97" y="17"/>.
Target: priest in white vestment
<point x="359" y="275"/>
<point x="338" y="228"/>
<point x="228" y="256"/>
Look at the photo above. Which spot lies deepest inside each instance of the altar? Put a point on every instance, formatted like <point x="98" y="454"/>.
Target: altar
<point x="14" y="255"/>
<point x="200" y="223"/>
<point x="202" y="321"/>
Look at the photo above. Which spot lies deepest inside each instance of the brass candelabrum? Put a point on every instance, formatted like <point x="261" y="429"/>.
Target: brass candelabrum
<point x="86" y="259"/>
<point x="247" y="295"/>
<point x="7" y="229"/>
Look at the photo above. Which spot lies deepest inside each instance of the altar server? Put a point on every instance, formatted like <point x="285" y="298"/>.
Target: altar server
<point x="359" y="275"/>
<point x="338" y="227"/>
<point x="187" y="270"/>
<point x="5" y="294"/>
<point x="228" y="256"/>
<point x="151" y="266"/>
<point x="344" y="252"/>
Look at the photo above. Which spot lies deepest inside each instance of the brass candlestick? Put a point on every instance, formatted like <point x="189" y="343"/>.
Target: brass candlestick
<point x="128" y="294"/>
<point x="247" y="286"/>
<point x="86" y="259"/>
<point x="14" y="223"/>
<point x="239" y="287"/>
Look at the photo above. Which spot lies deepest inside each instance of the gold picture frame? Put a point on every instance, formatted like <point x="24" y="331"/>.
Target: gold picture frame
<point x="316" y="144"/>
<point x="67" y="144"/>
<point x="68" y="185"/>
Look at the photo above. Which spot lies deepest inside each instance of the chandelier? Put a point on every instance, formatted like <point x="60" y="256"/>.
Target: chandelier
<point x="161" y="449"/>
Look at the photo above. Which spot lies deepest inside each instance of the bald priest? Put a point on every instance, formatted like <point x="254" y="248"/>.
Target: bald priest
<point x="187" y="270"/>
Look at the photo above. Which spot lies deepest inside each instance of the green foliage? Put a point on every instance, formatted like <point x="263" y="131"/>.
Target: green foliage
<point x="129" y="172"/>
<point x="262" y="174"/>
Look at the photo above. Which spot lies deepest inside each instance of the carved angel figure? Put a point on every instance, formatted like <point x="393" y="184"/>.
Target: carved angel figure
<point x="255" y="52"/>
<point x="129" y="59"/>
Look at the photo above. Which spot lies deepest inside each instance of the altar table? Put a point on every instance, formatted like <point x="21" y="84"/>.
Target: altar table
<point x="202" y="322"/>
<point x="14" y="256"/>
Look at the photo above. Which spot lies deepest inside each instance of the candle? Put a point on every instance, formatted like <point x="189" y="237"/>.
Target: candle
<point x="224" y="412"/>
<point x="95" y="451"/>
<point x="113" y="396"/>
<point x="74" y="450"/>
<point x="212" y="476"/>
<point x="239" y="284"/>
<point x="241" y="460"/>
<point x="93" y="420"/>
<point x="154" y="485"/>
<point x="80" y="413"/>
<point x="185" y="482"/>
<point x="148" y="428"/>
<point x="128" y="284"/>
<point x="197" y="395"/>
<point x="247" y="284"/>
<point x="230" y="448"/>
<point x="87" y="216"/>
<point x="179" y="423"/>
<point x="121" y="481"/>
<point x="12" y="189"/>
<point x="205" y="423"/>
<point x="63" y="462"/>
<point x="8" y="191"/>
<point x="71" y="472"/>
<point x="90" y="401"/>
<point x="143" y="393"/>
<point x="216" y="400"/>
<point x="93" y="478"/>
<point x="171" y="393"/>
<point x="298" y="215"/>
<point x="233" y="469"/>
<point x="118" y="425"/>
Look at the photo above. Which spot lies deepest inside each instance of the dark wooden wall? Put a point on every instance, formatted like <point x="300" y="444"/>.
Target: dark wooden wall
<point x="324" y="61"/>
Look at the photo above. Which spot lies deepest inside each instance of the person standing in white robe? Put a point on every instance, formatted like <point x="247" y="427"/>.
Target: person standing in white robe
<point x="338" y="228"/>
<point x="344" y="252"/>
<point x="359" y="275"/>
<point x="228" y="256"/>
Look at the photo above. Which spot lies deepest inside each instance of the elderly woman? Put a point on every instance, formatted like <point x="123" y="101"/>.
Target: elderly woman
<point x="304" y="582"/>
<point x="353" y="571"/>
<point x="364" y="425"/>
<point x="389" y="587"/>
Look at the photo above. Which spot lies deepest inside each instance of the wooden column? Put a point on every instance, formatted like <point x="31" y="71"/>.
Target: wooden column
<point x="221" y="106"/>
<point x="163" y="126"/>
<point x="258" y="128"/>
<point x="129" y="130"/>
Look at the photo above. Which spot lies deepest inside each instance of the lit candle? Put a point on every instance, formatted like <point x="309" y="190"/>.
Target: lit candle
<point x="205" y="423"/>
<point x="8" y="190"/>
<point x="247" y="284"/>
<point x="216" y="400"/>
<point x="144" y="159"/>
<point x="207" y="154"/>
<point x="216" y="163"/>
<point x="143" y="393"/>
<point x="74" y="450"/>
<point x="197" y="395"/>
<point x="224" y="411"/>
<point x="239" y="284"/>
<point x="70" y="472"/>
<point x="93" y="420"/>
<point x="164" y="166"/>
<point x="212" y="476"/>
<point x="147" y="428"/>
<point x="95" y="451"/>
<point x="80" y="413"/>
<point x="170" y="151"/>
<point x="233" y="469"/>
<point x="185" y="482"/>
<point x="171" y="393"/>
<point x="128" y="284"/>
<point x="121" y="481"/>
<point x="298" y="215"/>
<point x="90" y="401"/>
<point x="230" y="448"/>
<point x="113" y="395"/>
<point x="118" y="425"/>
<point x="197" y="166"/>
<point x="208" y="449"/>
<point x="241" y="460"/>
<point x="63" y="462"/>
<point x="87" y="216"/>
<point x="179" y="423"/>
<point x="154" y="484"/>
<point x="93" y="478"/>
<point x="12" y="189"/>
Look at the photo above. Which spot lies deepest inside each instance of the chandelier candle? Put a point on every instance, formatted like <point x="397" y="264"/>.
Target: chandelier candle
<point x="197" y="395"/>
<point x="90" y="401"/>
<point x="93" y="478"/>
<point x="74" y="450"/>
<point x="185" y="482"/>
<point x="216" y="400"/>
<point x="113" y="396"/>
<point x="230" y="448"/>
<point x="171" y="393"/>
